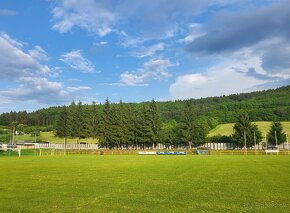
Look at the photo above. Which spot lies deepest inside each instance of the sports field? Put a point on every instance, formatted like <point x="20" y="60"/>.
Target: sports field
<point x="91" y="183"/>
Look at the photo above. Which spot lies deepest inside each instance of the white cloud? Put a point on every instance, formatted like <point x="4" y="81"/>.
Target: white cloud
<point x="123" y="84"/>
<point x="149" y="51"/>
<point x="195" y="31"/>
<point x="154" y="19"/>
<point x="101" y="43"/>
<point x="36" y="88"/>
<point x="90" y="15"/>
<point x="260" y="66"/>
<point x="128" y="41"/>
<point x="76" y="60"/>
<point x="267" y="59"/>
<point x="4" y="100"/>
<point x="42" y="91"/>
<point x="130" y="79"/>
<point x="241" y="71"/>
<point x="79" y="88"/>
<point x="153" y="69"/>
<point x="38" y="54"/>
<point x="15" y="62"/>
<point x="211" y="83"/>
<point x="25" y="70"/>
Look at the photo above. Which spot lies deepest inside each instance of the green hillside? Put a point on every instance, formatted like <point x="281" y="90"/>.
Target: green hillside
<point x="268" y="105"/>
<point x="264" y="126"/>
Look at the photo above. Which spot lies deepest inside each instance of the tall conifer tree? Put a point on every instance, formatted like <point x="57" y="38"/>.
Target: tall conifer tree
<point x="187" y="125"/>
<point x="62" y="126"/>
<point x="155" y="122"/>
<point x="93" y="120"/>
<point x="105" y="124"/>
<point x="276" y="133"/>
<point x="246" y="133"/>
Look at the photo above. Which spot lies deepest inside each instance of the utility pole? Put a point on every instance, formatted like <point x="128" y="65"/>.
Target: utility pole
<point x="64" y="143"/>
<point x="287" y="142"/>
<point x="10" y="138"/>
<point x="266" y="141"/>
<point x="276" y="142"/>
<point x="13" y="135"/>
<point x="255" y="141"/>
<point x="276" y="139"/>
<point x="245" y="141"/>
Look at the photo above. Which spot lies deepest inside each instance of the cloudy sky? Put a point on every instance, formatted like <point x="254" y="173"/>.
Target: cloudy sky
<point x="53" y="52"/>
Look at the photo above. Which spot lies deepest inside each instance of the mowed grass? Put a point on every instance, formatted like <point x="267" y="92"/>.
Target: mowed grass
<point x="92" y="183"/>
<point x="227" y="129"/>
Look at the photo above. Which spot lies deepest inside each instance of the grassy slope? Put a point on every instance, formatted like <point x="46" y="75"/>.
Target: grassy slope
<point x="49" y="136"/>
<point x="145" y="184"/>
<point x="227" y="129"/>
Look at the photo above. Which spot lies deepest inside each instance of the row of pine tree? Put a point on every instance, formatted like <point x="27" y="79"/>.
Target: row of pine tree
<point x="118" y="125"/>
<point x="121" y="126"/>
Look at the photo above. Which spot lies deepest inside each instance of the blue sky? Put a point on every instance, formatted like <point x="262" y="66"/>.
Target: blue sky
<point x="53" y="52"/>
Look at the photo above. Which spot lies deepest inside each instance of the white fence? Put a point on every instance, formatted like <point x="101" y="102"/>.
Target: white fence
<point x="231" y="146"/>
<point x="212" y="146"/>
<point x="67" y="146"/>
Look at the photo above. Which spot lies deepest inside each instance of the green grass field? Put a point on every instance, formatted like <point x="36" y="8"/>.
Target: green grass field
<point x="90" y="183"/>
<point x="227" y="129"/>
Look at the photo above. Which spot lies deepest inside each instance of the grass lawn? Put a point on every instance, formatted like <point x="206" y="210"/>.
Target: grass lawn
<point x="90" y="183"/>
<point x="264" y="126"/>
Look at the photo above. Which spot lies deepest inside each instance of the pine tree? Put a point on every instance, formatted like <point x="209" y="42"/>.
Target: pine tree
<point x="105" y="131"/>
<point x="93" y="120"/>
<point x="187" y="127"/>
<point x="77" y="121"/>
<point x="245" y="132"/>
<point x="125" y="129"/>
<point x="192" y="132"/>
<point x="155" y="122"/>
<point x="137" y="129"/>
<point x="81" y="129"/>
<point x="128" y="124"/>
<point x="169" y="133"/>
<point x="72" y="119"/>
<point x="143" y="131"/>
<point x="199" y="133"/>
<point x="276" y="132"/>
<point x="13" y="121"/>
<point x="62" y="126"/>
<point x="115" y="124"/>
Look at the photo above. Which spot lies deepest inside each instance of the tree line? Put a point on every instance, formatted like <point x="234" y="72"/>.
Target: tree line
<point x="121" y="126"/>
<point x="147" y="124"/>
<point x="266" y="105"/>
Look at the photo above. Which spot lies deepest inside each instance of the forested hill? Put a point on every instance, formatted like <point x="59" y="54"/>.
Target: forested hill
<point x="266" y="105"/>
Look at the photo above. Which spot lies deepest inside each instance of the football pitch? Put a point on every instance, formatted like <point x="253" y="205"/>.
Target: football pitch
<point x="91" y="183"/>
